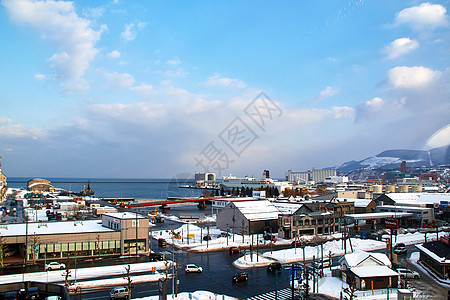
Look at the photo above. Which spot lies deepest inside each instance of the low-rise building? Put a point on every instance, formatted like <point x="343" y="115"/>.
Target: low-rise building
<point x="248" y="217"/>
<point x="115" y="234"/>
<point x="436" y="256"/>
<point x="368" y="270"/>
<point x="305" y="221"/>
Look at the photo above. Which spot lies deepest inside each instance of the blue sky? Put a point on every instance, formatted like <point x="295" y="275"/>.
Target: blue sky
<point x="148" y="89"/>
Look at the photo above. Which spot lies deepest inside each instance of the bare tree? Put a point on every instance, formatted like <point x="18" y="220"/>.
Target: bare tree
<point x="35" y="245"/>
<point x="128" y="278"/>
<point x="2" y="249"/>
<point x="97" y="245"/>
<point x="67" y="274"/>
<point x="350" y="291"/>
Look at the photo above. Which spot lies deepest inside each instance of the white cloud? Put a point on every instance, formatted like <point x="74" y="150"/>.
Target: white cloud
<point x="57" y="21"/>
<point x="93" y="12"/>
<point x="440" y="138"/>
<point x="119" y="79"/>
<point x="16" y="130"/>
<point x="173" y="62"/>
<point x="39" y="76"/>
<point x="131" y="30"/>
<point x="410" y="77"/>
<point x="426" y="16"/>
<point x="114" y="54"/>
<point x="216" y="80"/>
<point x="375" y="104"/>
<point x="342" y="112"/>
<point x="326" y="93"/>
<point x="400" y="47"/>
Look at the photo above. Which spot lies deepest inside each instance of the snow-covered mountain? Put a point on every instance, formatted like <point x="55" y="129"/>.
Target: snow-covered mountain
<point x="391" y="159"/>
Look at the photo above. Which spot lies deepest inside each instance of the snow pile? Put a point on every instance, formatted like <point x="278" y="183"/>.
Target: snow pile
<point x="332" y="248"/>
<point x="197" y="295"/>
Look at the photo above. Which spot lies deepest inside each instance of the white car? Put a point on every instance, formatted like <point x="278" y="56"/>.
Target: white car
<point x="193" y="269"/>
<point x="407" y="273"/>
<point x="55" y="266"/>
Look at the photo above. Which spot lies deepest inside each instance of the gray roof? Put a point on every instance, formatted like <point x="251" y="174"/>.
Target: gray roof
<point x="257" y="210"/>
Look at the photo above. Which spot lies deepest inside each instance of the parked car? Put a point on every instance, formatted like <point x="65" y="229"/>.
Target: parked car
<point x="32" y="293"/>
<point x="234" y="250"/>
<point x="400" y="248"/>
<point x="155" y="257"/>
<point x="193" y="269"/>
<point x="55" y="266"/>
<point x="274" y="267"/>
<point x="207" y="238"/>
<point x="12" y="295"/>
<point x="407" y="273"/>
<point x="240" y="277"/>
<point x="53" y="298"/>
<point x="120" y="292"/>
<point x="162" y="242"/>
<point x="269" y="237"/>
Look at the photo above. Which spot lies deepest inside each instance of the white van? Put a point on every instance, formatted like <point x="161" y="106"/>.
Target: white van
<point x="120" y="292"/>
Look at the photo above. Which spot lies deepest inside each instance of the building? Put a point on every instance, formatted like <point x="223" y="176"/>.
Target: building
<point x="368" y="270"/>
<point x="305" y="221"/>
<point x="117" y="234"/>
<point x="248" y="217"/>
<point x="423" y="215"/>
<point x="436" y="256"/>
<point x="3" y="185"/>
<point x="316" y="175"/>
<point x="363" y="206"/>
<point x="40" y="185"/>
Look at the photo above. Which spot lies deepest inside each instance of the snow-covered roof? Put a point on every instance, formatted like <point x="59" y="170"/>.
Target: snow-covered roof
<point x="419" y="198"/>
<point x="357" y="257"/>
<point x="43" y="228"/>
<point x="373" y="271"/>
<point x="257" y="210"/>
<point x="362" y="202"/>
<point x="124" y="215"/>
<point x="379" y="215"/>
<point x="287" y="208"/>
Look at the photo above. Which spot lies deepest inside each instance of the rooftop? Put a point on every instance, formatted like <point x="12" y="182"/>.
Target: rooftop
<point x="42" y="228"/>
<point x="258" y="210"/>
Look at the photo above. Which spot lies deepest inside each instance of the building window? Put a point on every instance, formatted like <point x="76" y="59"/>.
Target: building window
<point x="306" y="222"/>
<point x="320" y="221"/>
<point x="300" y="223"/>
<point x="313" y="222"/>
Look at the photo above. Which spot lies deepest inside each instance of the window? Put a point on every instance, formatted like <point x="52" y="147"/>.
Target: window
<point x="306" y="222"/>
<point x="320" y="221"/>
<point x="313" y="222"/>
<point x="300" y="223"/>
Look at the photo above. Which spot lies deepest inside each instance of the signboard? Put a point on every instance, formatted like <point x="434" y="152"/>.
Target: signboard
<point x="444" y="239"/>
<point x="391" y="223"/>
<point x="297" y="273"/>
<point x="286" y="221"/>
<point x="259" y="194"/>
<point x="444" y="204"/>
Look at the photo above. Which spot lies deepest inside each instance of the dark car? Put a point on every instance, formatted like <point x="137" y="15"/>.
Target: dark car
<point x="234" y="250"/>
<point x="269" y="237"/>
<point x="274" y="267"/>
<point x="400" y="248"/>
<point x="162" y="242"/>
<point x="240" y="277"/>
<point x="207" y="238"/>
<point x="155" y="257"/>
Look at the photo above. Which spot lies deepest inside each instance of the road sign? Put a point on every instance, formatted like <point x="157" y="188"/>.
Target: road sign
<point x="444" y="204"/>
<point x="297" y="273"/>
<point x="391" y="223"/>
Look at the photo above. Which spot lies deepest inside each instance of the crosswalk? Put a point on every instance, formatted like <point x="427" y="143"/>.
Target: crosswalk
<point x="282" y="294"/>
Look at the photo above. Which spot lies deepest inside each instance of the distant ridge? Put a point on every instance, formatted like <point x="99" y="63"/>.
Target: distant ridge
<point x="391" y="159"/>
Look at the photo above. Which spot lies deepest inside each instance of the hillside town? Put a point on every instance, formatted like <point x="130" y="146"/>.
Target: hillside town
<point x="338" y="238"/>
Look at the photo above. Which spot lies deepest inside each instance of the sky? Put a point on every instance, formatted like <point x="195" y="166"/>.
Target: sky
<point x="155" y="89"/>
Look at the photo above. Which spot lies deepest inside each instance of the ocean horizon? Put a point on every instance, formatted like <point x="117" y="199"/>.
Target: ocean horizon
<point x="137" y="188"/>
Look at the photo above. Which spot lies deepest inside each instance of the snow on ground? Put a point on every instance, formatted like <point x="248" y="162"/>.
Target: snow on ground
<point x="197" y="295"/>
<point x="84" y="273"/>
<point x="333" y="248"/>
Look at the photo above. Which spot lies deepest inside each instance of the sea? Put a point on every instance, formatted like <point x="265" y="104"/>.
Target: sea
<point x="121" y="187"/>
